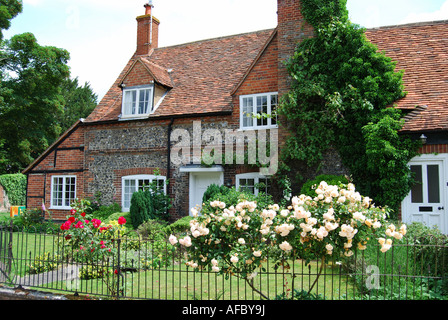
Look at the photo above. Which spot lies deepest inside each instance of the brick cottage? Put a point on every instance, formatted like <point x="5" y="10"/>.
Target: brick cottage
<point x="215" y="83"/>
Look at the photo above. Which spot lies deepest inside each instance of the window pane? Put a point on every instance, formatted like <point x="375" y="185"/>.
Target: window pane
<point x="274" y="104"/>
<point x="57" y="191"/>
<point x="70" y="191"/>
<point x="262" y="107"/>
<point x="417" y="189"/>
<point x="264" y="185"/>
<point x="144" y="98"/>
<point x="247" y="112"/>
<point x="143" y="184"/>
<point x="129" y="189"/>
<point x="161" y="184"/>
<point x="130" y="98"/>
<point x="433" y="184"/>
<point x="247" y="185"/>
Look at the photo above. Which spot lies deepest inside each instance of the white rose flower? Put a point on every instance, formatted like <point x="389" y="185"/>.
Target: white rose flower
<point x="173" y="240"/>
<point x="285" y="246"/>
<point x="257" y="253"/>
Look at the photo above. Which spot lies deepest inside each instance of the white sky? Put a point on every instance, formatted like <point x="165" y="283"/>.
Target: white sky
<point x="101" y="34"/>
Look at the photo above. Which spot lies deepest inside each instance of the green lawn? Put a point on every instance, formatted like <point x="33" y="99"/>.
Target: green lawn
<point x="181" y="283"/>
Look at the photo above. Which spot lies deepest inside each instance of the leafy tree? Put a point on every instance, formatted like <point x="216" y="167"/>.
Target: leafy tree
<point x="341" y="95"/>
<point x="32" y="98"/>
<point x="79" y="102"/>
<point x="8" y="10"/>
<point x="38" y="100"/>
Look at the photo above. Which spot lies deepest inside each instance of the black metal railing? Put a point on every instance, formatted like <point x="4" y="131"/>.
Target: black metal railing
<point x="143" y="269"/>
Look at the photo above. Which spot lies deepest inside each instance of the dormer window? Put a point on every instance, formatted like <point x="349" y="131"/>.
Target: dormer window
<point x="137" y="102"/>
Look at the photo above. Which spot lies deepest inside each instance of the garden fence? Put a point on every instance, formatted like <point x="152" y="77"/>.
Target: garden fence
<point x="143" y="269"/>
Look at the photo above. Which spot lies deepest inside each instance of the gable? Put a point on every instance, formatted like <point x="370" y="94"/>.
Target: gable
<point x="262" y="76"/>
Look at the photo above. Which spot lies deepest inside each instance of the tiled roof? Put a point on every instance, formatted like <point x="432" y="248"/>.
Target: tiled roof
<point x="201" y="74"/>
<point x="421" y="50"/>
<point x="204" y="73"/>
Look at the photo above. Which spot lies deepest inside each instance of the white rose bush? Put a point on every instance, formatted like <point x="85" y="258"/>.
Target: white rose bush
<point x="238" y="239"/>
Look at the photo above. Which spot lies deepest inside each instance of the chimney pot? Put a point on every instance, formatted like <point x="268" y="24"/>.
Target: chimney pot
<point x="148" y="8"/>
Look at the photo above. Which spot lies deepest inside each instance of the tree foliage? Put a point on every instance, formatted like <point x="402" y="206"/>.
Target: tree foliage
<point x="8" y="10"/>
<point x="37" y="98"/>
<point x="32" y="77"/>
<point x="342" y="92"/>
<point x="79" y="102"/>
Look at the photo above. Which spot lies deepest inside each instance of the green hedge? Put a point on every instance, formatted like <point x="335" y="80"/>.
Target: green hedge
<point x="15" y="188"/>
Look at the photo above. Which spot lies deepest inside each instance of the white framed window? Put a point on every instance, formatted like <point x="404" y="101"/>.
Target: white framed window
<point x="137" y="102"/>
<point x="251" y="108"/>
<point x="63" y="191"/>
<point x="253" y="182"/>
<point x="131" y="184"/>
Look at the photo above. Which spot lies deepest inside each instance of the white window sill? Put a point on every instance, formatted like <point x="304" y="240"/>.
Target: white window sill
<point x="258" y="128"/>
<point x="60" y="208"/>
<point x="134" y="117"/>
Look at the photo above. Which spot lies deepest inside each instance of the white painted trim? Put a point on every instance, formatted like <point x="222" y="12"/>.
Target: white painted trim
<point x="192" y="188"/>
<point x="421" y="159"/>
<point x="254" y="106"/>
<point x="250" y="175"/>
<point x="138" y="89"/>
<point x="137" y="177"/>
<point x="201" y="169"/>
<point x="63" y="207"/>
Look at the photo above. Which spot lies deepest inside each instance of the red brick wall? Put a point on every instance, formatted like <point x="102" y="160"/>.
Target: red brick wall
<point x="138" y="76"/>
<point x="433" y="148"/>
<point x="39" y="179"/>
<point x="143" y="34"/>
<point x="292" y="28"/>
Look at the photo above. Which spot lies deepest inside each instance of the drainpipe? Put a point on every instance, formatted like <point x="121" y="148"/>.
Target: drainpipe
<point x="168" y="164"/>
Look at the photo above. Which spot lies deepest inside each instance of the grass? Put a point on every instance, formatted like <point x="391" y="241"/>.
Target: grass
<point x="179" y="282"/>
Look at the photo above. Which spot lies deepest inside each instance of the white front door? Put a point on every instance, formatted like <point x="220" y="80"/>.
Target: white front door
<point x="426" y="202"/>
<point x="199" y="182"/>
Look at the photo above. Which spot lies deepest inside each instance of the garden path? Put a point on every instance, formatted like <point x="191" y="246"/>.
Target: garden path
<point x="65" y="273"/>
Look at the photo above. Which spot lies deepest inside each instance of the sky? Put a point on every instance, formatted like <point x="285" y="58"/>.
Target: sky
<point x="101" y="34"/>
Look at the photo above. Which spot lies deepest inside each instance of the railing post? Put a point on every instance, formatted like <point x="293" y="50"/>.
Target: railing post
<point x="118" y="266"/>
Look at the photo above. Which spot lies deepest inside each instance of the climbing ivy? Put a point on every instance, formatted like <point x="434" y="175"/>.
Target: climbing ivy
<point x="341" y="97"/>
<point x="15" y="188"/>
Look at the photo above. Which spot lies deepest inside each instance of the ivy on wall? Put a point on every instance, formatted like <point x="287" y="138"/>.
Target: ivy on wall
<point x="15" y="188"/>
<point x="342" y="94"/>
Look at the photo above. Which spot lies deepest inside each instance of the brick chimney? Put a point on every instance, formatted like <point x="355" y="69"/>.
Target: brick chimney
<point x="147" y="31"/>
<point x="292" y="29"/>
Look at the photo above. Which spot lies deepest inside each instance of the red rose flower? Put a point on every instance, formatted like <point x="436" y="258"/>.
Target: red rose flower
<point x="121" y="220"/>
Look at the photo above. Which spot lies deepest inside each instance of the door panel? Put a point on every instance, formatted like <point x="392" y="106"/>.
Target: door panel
<point x="426" y="201"/>
<point x="199" y="182"/>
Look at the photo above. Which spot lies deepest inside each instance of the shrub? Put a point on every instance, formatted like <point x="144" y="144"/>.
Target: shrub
<point x="141" y="207"/>
<point x="152" y="230"/>
<point x="103" y="212"/>
<point x="15" y="188"/>
<point x="90" y="272"/>
<point x="212" y="190"/>
<point x="43" y="263"/>
<point x="179" y="227"/>
<point x="151" y="203"/>
<point x="236" y="238"/>
<point x="309" y="187"/>
<point x="232" y="197"/>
